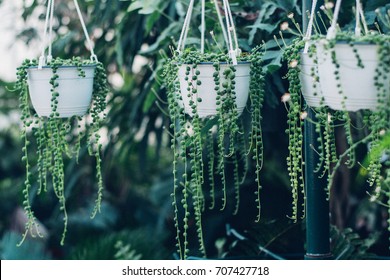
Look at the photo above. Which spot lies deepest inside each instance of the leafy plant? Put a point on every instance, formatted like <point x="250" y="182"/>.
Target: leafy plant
<point x="32" y="249"/>
<point x="124" y="245"/>
<point x="370" y="121"/>
<point x="376" y="121"/>
<point x="348" y="245"/>
<point x="206" y="145"/>
<point x="367" y="126"/>
<point x="125" y="252"/>
<point x="57" y="137"/>
<point x="276" y="240"/>
<point x="270" y="239"/>
<point x="192" y="134"/>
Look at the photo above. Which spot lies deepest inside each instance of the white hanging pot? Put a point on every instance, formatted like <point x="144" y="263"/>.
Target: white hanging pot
<point x="357" y="84"/>
<point x="206" y="96"/>
<point x="75" y="92"/>
<point x="310" y="88"/>
<point x="353" y="87"/>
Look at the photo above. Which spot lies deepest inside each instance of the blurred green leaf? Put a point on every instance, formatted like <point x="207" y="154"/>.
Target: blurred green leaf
<point x="164" y="37"/>
<point x="32" y="249"/>
<point x="263" y="26"/>
<point x="373" y="4"/>
<point x="149" y="101"/>
<point x="145" y="7"/>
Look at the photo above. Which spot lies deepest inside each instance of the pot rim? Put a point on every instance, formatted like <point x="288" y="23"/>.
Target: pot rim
<point x="343" y="42"/>
<point x="62" y="66"/>
<point x="211" y="63"/>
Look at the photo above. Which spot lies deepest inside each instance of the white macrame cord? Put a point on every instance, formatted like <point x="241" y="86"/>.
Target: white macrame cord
<point x="48" y="31"/>
<point x="310" y="26"/>
<point x="359" y="13"/>
<point x="228" y="29"/>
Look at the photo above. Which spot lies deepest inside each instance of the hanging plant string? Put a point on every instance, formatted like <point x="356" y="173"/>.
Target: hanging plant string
<point x="61" y="123"/>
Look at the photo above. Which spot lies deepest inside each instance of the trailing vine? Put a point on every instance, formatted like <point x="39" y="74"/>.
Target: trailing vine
<point x="220" y="135"/>
<point x="257" y="92"/>
<point x="55" y="137"/>
<point x="294" y="105"/>
<point x="375" y="121"/>
<point x="334" y="111"/>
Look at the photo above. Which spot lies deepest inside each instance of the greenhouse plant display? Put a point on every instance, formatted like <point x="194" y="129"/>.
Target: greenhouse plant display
<point x="222" y="130"/>
<point x="207" y="94"/>
<point x="349" y="73"/>
<point x="68" y="98"/>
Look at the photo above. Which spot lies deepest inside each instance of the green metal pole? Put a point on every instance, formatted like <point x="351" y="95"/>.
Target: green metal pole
<point x="317" y="205"/>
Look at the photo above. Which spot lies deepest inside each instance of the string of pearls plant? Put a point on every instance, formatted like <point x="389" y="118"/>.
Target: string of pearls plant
<point x="375" y="122"/>
<point x="57" y="138"/>
<point x="207" y="146"/>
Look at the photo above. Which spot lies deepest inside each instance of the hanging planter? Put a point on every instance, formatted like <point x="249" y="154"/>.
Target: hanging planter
<point x="310" y="87"/>
<point x="68" y="98"/>
<point x="350" y="67"/>
<point x="75" y="90"/>
<point x="64" y="87"/>
<point x="353" y="73"/>
<point x="74" y="78"/>
<point x="357" y="68"/>
<point x="341" y="69"/>
<point x="208" y="91"/>
<point x="202" y="75"/>
<point x="349" y="72"/>
<point x="356" y="63"/>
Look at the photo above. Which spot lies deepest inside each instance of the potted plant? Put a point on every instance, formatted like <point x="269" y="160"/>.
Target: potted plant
<point x="207" y="94"/>
<point x="349" y="73"/>
<point x="200" y="77"/>
<point x="74" y="78"/>
<point x="68" y="99"/>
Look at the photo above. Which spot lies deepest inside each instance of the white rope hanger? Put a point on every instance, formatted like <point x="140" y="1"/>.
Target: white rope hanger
<point x="310" y="26"/>
<point x="228" y="29"/>
<point x="48" y="34"/>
